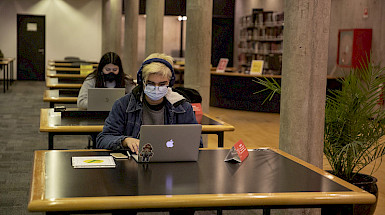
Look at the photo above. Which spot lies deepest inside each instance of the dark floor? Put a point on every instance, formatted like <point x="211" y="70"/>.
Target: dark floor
<point x="19" y="137"/>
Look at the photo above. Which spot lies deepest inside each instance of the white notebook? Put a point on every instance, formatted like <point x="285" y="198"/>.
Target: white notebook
<point x="93" y="162"/>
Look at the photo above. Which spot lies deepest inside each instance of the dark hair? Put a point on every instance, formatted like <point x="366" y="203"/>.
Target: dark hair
<point x="109" y="58"/>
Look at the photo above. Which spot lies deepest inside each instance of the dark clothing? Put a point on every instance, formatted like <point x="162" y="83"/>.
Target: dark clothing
<point x="125" y="118"/>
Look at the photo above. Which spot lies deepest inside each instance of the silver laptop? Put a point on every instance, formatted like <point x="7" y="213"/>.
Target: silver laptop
<point x="102" y="99"/>
<point x="169" y="143"/>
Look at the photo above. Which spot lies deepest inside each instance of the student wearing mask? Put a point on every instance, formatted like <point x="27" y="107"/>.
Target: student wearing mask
<point x="152" y="102"/>
<point x="109" y="74"/>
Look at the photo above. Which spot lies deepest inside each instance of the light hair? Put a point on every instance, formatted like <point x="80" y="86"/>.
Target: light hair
<point x="156" y="67"/>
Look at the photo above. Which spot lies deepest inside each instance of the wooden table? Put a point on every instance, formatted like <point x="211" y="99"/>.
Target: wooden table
<point x="63" y="74"/>
<point x="61" y="96"/>
<point x="6" y="65"/>
<point x="69" y="63"/>
<point x="75" y="69"/>
<point x="266" y="179"/>
<point x="55" y="83"/>
<point x="239" y="91"/>
<point x="77" y="122"/>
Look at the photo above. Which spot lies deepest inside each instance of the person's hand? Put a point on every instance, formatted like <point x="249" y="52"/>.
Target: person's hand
<point x="132" y="144"/>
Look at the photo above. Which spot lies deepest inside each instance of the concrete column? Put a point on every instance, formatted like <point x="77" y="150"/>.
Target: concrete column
<point x="154" y="26"/>
<point x="111" y="26"/>
<point x="130" y="47"/>
<point x="198" y="48"/>
<point x="305" y="50"/>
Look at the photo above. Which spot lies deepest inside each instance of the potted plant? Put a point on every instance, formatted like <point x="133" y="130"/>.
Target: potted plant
<point x="354" y="126"/>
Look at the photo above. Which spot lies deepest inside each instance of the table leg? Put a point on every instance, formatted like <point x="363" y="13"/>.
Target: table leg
<point x="219" y="212"/>
<point x="50" y="140"/>
<point x="337" y="209"/>
<point x="51" y="104"/>
<point x="3" y="67"/>
<point x="11" y="73"/>
<point x="220" y="139"/>
<point x="266" y="211"/>
<point x="7" y="79"/>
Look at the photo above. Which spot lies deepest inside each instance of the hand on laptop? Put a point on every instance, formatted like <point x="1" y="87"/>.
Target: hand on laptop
<point x="132" y="144"/>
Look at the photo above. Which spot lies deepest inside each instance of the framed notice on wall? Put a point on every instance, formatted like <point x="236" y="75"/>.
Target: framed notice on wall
<point x="256" y="67"/>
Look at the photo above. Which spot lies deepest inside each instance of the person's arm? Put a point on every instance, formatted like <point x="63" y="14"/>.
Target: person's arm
<point x="189" y="116"/>
<point x="82" y="101"/>
<point x="114" y="135"/>
<point x="132" y="144"/>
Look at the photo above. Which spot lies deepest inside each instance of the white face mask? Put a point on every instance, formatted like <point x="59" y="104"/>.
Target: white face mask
<point x="155" y="92"/>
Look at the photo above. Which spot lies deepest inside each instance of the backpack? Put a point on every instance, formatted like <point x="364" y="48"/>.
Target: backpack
<point x="190" y="94"/>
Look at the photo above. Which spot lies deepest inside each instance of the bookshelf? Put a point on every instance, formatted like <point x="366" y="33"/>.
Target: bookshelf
<point x="261" y="38"/>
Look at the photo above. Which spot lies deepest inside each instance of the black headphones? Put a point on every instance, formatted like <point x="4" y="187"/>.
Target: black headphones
<point x="139" y="78"/>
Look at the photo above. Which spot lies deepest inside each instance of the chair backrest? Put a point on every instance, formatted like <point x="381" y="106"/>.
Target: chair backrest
<point x="192" y="95"/>
<point x="71" y="58"/>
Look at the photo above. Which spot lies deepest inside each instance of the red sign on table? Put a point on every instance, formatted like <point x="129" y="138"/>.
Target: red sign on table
<point x="241" y="150"/>
<point x="238" y="152"/>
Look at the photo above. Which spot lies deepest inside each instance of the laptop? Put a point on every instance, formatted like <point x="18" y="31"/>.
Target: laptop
<point x="169" y="143"/>
<point x="102" y="99"/>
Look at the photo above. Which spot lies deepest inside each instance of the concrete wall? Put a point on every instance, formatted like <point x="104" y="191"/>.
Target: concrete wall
<point x="73" y="27"/>
<point x="171" y="36"/>
<point x="345" y="14"/>
<point x="348" y="14"/>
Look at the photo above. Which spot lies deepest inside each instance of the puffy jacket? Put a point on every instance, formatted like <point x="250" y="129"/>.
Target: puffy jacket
<point x="125" y="118"/>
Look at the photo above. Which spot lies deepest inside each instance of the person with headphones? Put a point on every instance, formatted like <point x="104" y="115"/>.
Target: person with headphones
<point x="109" y="74"/>
<point x="152" y="102"/>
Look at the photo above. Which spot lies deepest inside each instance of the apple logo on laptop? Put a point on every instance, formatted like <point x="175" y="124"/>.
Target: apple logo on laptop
<point x="170" y="143"/>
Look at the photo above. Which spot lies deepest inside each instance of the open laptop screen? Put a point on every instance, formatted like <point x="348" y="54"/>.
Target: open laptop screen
<point x="102" y="99"/>
<point x="169" y="143"/>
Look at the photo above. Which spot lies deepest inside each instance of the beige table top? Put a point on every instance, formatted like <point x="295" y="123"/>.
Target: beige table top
<point x="68" y="68"/>
<point x="53" y="74"/>
<point x="52" y="63"/>
<point x="50" y="121"/>
<point x="6" y="60"/>
<point x="54" y="83"/>
<point x="53" y="96"/>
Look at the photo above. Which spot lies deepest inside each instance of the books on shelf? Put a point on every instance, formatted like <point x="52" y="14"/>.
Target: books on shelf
<point x="261" y="38"/>
<point x="93" y="162"/>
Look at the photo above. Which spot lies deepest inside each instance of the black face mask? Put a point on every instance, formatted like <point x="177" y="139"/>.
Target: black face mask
<point x="110" y="77"/>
